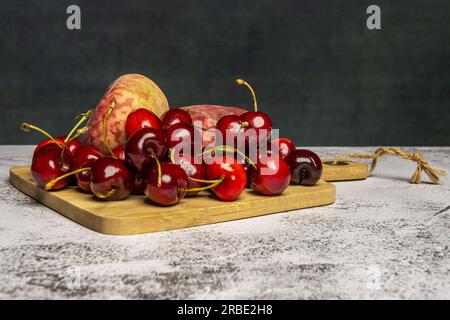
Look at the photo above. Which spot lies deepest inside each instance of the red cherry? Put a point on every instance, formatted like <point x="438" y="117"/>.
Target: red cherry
<point x="306" y="167"/>
<point x="166" y="184"/>
<point x="119" y="152"/>
<point x="141" y="118"/>
<point x="43" y="143"/>
<point x="253" y="157"/>
<point x="182" y="136"/>
<point x="232" y="128"/>
<point x="271" y="176"/>
<point x="234" y="178"/>
<point x="261" y="123"/>
<point x="111" y="179"/>
<point x="193" y="170"/>
<point x="138" y="150"/>
<point x="284" y="146"/>
<point x="47" y="165"/>
<point x="174" y="116"/>
<point x="72" y="145"/>
<point x="84" y="157"/>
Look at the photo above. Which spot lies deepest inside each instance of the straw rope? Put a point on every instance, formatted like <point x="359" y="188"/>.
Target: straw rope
<point x="422" y="164"/>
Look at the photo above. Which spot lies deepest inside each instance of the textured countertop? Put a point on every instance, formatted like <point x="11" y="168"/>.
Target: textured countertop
<point x="382" y="238"/>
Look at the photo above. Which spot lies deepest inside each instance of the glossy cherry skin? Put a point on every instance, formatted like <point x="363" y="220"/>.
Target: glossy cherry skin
<point x="254" y="158"/>
<point x="84" y="157"/>
<point x="306" y="167"/>
<point x="193" y="170"/>
<point x="271" y="177"/>
<point x="47" y="142"/>
<point x="259" y="121"/>
<point x="174" y="182"/>
<point x="284" y="146"/>
<point x="72" y="146"/>
<point x="119" y="152"/>
<point x="108" y="174"/>
<point x="46" y="166"/>
<point x="141" y="118"/>
<point x="137" y="150"/>
<point x="233" y="126"/>
<point x="174" y="116"/>
<point x="235" y="178"/>
<point x="183" y="136"/>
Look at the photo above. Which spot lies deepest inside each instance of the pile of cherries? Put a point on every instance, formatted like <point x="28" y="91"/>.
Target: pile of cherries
<point x="148" y="164"/>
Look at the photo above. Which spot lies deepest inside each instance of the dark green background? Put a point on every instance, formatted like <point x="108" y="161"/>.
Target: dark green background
<point x="318" y="72"/>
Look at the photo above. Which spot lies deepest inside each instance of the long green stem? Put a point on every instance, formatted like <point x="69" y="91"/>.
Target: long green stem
<point x="79" y="132"/>
<point x="84" y="117"/>
<point x="245" y="83"/>
<point x="27" y="127"/>
<point x="230" y="149"/>
<point x="212" y="185"/>
<point x="51" y="183"/>
<point x="171" y="154"/>
<point x="202" y="180"/>
<point x="105" y="121"/>
<point x="158" y="166"/>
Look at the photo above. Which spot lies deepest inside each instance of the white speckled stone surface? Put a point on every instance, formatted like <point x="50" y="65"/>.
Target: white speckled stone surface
<point x="383" y="238"/>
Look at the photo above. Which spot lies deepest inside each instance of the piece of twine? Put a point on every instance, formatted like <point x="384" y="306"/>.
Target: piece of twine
<point x="422" y="165"/>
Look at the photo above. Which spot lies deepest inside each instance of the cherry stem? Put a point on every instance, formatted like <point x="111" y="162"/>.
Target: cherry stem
<point x="231" y="149"/>
<point x="26" y="127"/>
<point x="158" y="166"/>
<point x="171" y="154"/>
<point x="106" y="195"/>
<point x="79" y="132"/>
<point x="172" y="159"/>
<point x="84" y="117"/>
<point x="105" y="121"/>
<point x="244" y="124"/>
<point x="51" y="183"/>
<point x="245" y="83"/>
<point x="202" y="180"/>
<point x="214" y="183"/>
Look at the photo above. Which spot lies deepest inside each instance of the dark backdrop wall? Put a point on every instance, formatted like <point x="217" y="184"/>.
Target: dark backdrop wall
<point x="323" y="77"/>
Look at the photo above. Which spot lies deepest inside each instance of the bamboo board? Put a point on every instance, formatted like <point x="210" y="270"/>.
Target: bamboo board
<point x="344" y="171"/>
<point x="136" y="215"/>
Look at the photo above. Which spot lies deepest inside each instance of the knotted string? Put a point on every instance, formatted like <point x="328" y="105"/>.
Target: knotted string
<point x="422" y="165"/>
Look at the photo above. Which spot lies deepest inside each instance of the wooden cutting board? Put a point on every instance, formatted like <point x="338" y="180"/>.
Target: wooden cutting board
<point x="344" y="171"/>
<point x="136" y="215"/>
